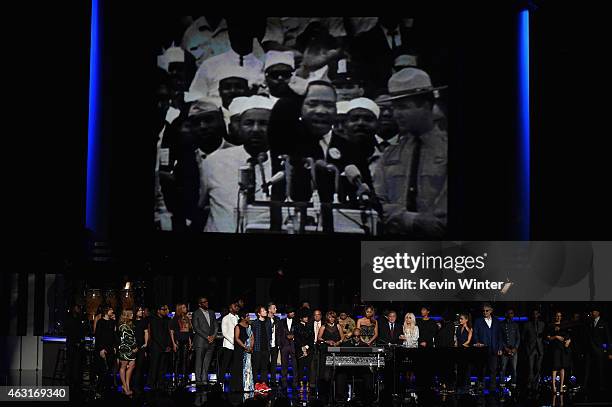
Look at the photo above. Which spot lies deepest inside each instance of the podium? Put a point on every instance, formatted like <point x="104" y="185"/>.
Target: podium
<point x="303" y="218"/>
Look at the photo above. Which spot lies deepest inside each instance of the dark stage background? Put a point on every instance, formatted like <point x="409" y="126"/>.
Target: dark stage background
<point x="568" y="161"/>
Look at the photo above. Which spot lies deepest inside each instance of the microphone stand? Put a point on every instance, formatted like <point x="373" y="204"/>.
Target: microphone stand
<point x="291" y="219"/>
<point x="261" y="158"/>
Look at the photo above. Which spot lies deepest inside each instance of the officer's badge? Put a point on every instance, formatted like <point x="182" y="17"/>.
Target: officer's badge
<point x="334" y="153"/>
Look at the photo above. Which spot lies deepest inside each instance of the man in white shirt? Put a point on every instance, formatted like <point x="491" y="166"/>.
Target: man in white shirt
<point x="228" y="323"/>
<point x="240" y="55"/>
<point x="219" y="173"/>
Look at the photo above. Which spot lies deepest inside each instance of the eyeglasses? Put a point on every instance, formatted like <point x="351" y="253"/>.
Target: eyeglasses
<point x="487" y="310"/>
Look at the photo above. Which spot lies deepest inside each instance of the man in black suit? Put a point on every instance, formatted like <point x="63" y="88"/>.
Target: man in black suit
<point x="304" y="344"/>
<point x="205" y="328"/>
<point x="159" y="345"/>
<point x="389" y="331"/>
<point x="287" y="329"/>
<point x="390" y="37"/>
<point x="598" y="342"/>
<point x="274" y="341"/>
<point x="533" y="332"/>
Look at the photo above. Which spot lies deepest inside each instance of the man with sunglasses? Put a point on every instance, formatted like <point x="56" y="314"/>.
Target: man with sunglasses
<point x="205" y="326"/>
<point x="278" y="69"/>
<point x="488" y="333"/>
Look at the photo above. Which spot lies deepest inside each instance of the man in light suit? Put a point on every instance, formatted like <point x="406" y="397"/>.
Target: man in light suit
<point x="205" y="327"/>
<point x="533" y="332"/>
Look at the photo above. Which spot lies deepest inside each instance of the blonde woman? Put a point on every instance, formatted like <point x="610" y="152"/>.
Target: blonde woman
<point x="127" y="350"/>
<point x="410" y="338"/>
<point x="180" y="334"/>
<point x="411" y="331"/>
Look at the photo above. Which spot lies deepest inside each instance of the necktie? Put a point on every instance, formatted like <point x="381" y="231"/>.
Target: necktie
<point x="241" y="60"/>
<point x="414" y="176"/>
<point x="393" y="42"/>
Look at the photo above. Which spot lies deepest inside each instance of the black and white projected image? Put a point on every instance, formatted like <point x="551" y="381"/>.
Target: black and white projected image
<point x="302" y="125"/>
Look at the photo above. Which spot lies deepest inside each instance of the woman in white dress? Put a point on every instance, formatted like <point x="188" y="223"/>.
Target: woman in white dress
<point x="410" y="338"/>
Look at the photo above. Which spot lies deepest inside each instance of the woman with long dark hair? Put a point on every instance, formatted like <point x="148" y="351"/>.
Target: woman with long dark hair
<point x="242" y="372"/>
<point x="141" y="333"/>
<point x="368" y="325"/>
<point x="559" y="342"/>
<point x="180" y="334"/>
<point x="463" y="335"/>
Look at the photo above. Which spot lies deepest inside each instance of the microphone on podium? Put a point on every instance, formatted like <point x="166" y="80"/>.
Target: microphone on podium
<point x="354" y="177"/>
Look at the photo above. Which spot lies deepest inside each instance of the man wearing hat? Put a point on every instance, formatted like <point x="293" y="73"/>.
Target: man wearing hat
<point x="181" y="69"/>
<point x="346" y="79"/>
<point x="598" y="349"/>
<point x="387" y="130"/>
<point x="278" y="69"/>
<point x="219" y="173"/>
<point x="241" y="55"/>
<point x="185" y="145"/>
<point x="411" y="177"/>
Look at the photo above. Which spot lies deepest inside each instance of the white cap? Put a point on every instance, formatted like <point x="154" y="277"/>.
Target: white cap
<point x="172" y="54"/>
<point x="364" y="103"/>
<point x="257" y="102"/>
<point x="236" y="107"/>
<point x="279" y="57"/>
<point x="204" y="105"/>
<point x="231" y="71"/>
<point x="192" y="96"/>
<point x="342" y="107"/>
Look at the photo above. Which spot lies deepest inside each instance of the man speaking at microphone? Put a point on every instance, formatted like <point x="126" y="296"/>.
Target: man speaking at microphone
<point x="219" y="173"/>
<point x="410" y="179"/>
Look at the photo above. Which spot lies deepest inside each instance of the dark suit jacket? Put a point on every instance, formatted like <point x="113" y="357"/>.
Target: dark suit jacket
<point x="202" y="328"/>
<point x="278" y="331"/>
<point x="599" y="335"/>
<point x="304" y="336"/>
<point x="159" y="333"/>
<point x="532" y="337"/>
<point x="288" y="135"/>
<point x="491" y="337"/>
<point x="384" y="332"/>
<point x="284" y="331"/>
<point x="373" y="46"/>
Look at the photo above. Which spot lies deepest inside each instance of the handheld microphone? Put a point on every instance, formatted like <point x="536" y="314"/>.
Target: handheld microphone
<point x="354" y="177"/>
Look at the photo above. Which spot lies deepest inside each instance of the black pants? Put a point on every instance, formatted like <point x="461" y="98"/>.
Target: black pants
<point x="535" y="369"/>
<point x="158" y="365"/>
<point x="463" y="369"/>
<point x="104" y="367"/>
<point x="304" y="363"/>
<point x="315" y="368"/>
<point x="139" y="369"/>
<point x="181" y="362"/>
<point x="273" y="361"/>
<point x="74" y="363"/>
<point x="260" y="360"/>
<point x="489" y="367"/>
<point x="226" y="362"/>
<point x="288" y="353"/>
<point x="594" y="368"/>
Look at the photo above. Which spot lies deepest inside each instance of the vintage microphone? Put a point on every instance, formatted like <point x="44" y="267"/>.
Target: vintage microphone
<point x="288" y="170"/>
<point x="261" y="159"/>
<point x="334" y="169"/>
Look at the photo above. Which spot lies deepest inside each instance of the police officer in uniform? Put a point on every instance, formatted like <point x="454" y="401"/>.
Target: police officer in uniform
<point x="410" y="179"/>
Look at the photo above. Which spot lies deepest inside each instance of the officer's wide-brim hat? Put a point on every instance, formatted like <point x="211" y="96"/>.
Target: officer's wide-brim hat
<point x="409" y="82"/>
